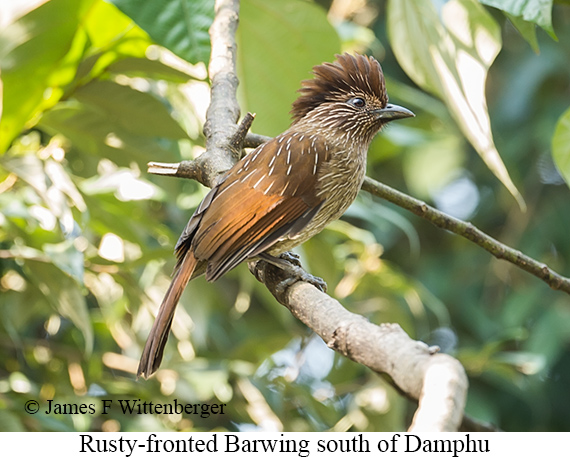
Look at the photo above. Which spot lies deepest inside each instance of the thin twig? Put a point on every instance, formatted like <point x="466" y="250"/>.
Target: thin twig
<point x="470" y="232"/>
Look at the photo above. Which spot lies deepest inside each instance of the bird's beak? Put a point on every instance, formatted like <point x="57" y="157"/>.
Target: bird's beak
<point x="393" y="112"/>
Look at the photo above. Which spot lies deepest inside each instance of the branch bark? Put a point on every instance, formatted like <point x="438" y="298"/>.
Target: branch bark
<point x="437" y="381"/>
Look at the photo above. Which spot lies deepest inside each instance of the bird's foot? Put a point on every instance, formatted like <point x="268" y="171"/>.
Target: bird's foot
<point x="289" y="263"/>
<point x="292" y="258"/>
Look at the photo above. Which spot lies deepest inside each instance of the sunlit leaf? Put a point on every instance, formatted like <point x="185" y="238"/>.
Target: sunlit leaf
<point x="561" y="146"/>
<point x="179" y="25"/>
<point x="292" y="36"/>
<point x="536" y="11"/>
<point x="1" y="96"/>
<point x="449" y="53"/>
<point x="109" y="29"/>
<point x="54" y="193"/>
<point x="31" y="49"/>
<point x="112" y="37"/>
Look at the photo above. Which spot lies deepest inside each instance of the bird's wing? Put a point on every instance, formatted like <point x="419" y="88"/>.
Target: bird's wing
<point x="268" y="195"/>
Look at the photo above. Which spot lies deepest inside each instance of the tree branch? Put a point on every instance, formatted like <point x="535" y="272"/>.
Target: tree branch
<point x="470" y="232"/>
<point x="438" y="381"/>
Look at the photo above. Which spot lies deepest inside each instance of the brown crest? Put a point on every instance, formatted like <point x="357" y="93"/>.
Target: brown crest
<point x="348" y="76"/>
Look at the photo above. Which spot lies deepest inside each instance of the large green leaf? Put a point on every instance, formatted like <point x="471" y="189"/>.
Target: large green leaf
<point x="137" y="112"/>
<point x="1" y="94"/>
<point x="31" y="50"/>
<point x="535" y="11"/>
<point x="279" y="42"/>
<point x="108" y="28"/>
<point x="449" y="54"/>
<point x="561" y="146"/>
<point x="179" y="25"/>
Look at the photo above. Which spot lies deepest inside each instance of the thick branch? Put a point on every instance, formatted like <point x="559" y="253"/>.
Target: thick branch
<point x="223" y="111"/>
<point x="438" y="381"/>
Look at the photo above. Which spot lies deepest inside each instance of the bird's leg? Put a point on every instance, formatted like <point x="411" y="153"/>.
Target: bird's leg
<point x="289" y="262"/>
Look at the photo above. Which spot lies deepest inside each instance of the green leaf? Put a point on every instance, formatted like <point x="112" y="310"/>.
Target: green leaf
<point x="110" y="29"/>
<point x="112" y="37"/>
<point x="538" y="12"/>
<point x="526" y="29"/>
<point x="9" y="422"/>
<point x="1" y="95"/>
<point x="561" y="146"/>
<point x="278" y="44"/>
<point x="449" y="54"/>
<point x="550" y="334"/>
<point x="179" y="25"/>
<point x="117" y="122"/>
<point x="145" y="68"/>
<point x="31" y="50"/>
<point x="137" y="112"/>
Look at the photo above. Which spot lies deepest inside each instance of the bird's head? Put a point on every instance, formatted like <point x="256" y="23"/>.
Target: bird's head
<point x="347" y="97"/>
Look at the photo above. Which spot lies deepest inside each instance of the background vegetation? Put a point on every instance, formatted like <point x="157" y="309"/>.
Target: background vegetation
<point x="93" y="90"/>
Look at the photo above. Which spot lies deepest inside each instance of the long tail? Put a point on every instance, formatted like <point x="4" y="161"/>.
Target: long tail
<point x="154" y="347"/>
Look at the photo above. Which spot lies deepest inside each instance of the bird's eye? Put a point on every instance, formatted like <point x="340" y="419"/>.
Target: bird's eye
<point x="357" y="101"/>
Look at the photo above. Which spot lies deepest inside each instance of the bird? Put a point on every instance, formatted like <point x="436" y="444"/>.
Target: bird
<point x="286" y="190"/>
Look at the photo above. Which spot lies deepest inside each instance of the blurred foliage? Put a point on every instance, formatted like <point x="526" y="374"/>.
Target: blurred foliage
<point x="90" y="95"/>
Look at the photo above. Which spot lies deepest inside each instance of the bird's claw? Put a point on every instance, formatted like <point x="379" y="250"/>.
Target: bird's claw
<point x="300" y="275"/>
<point x="290" y="262"/>
<point x="292" y="258"/>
